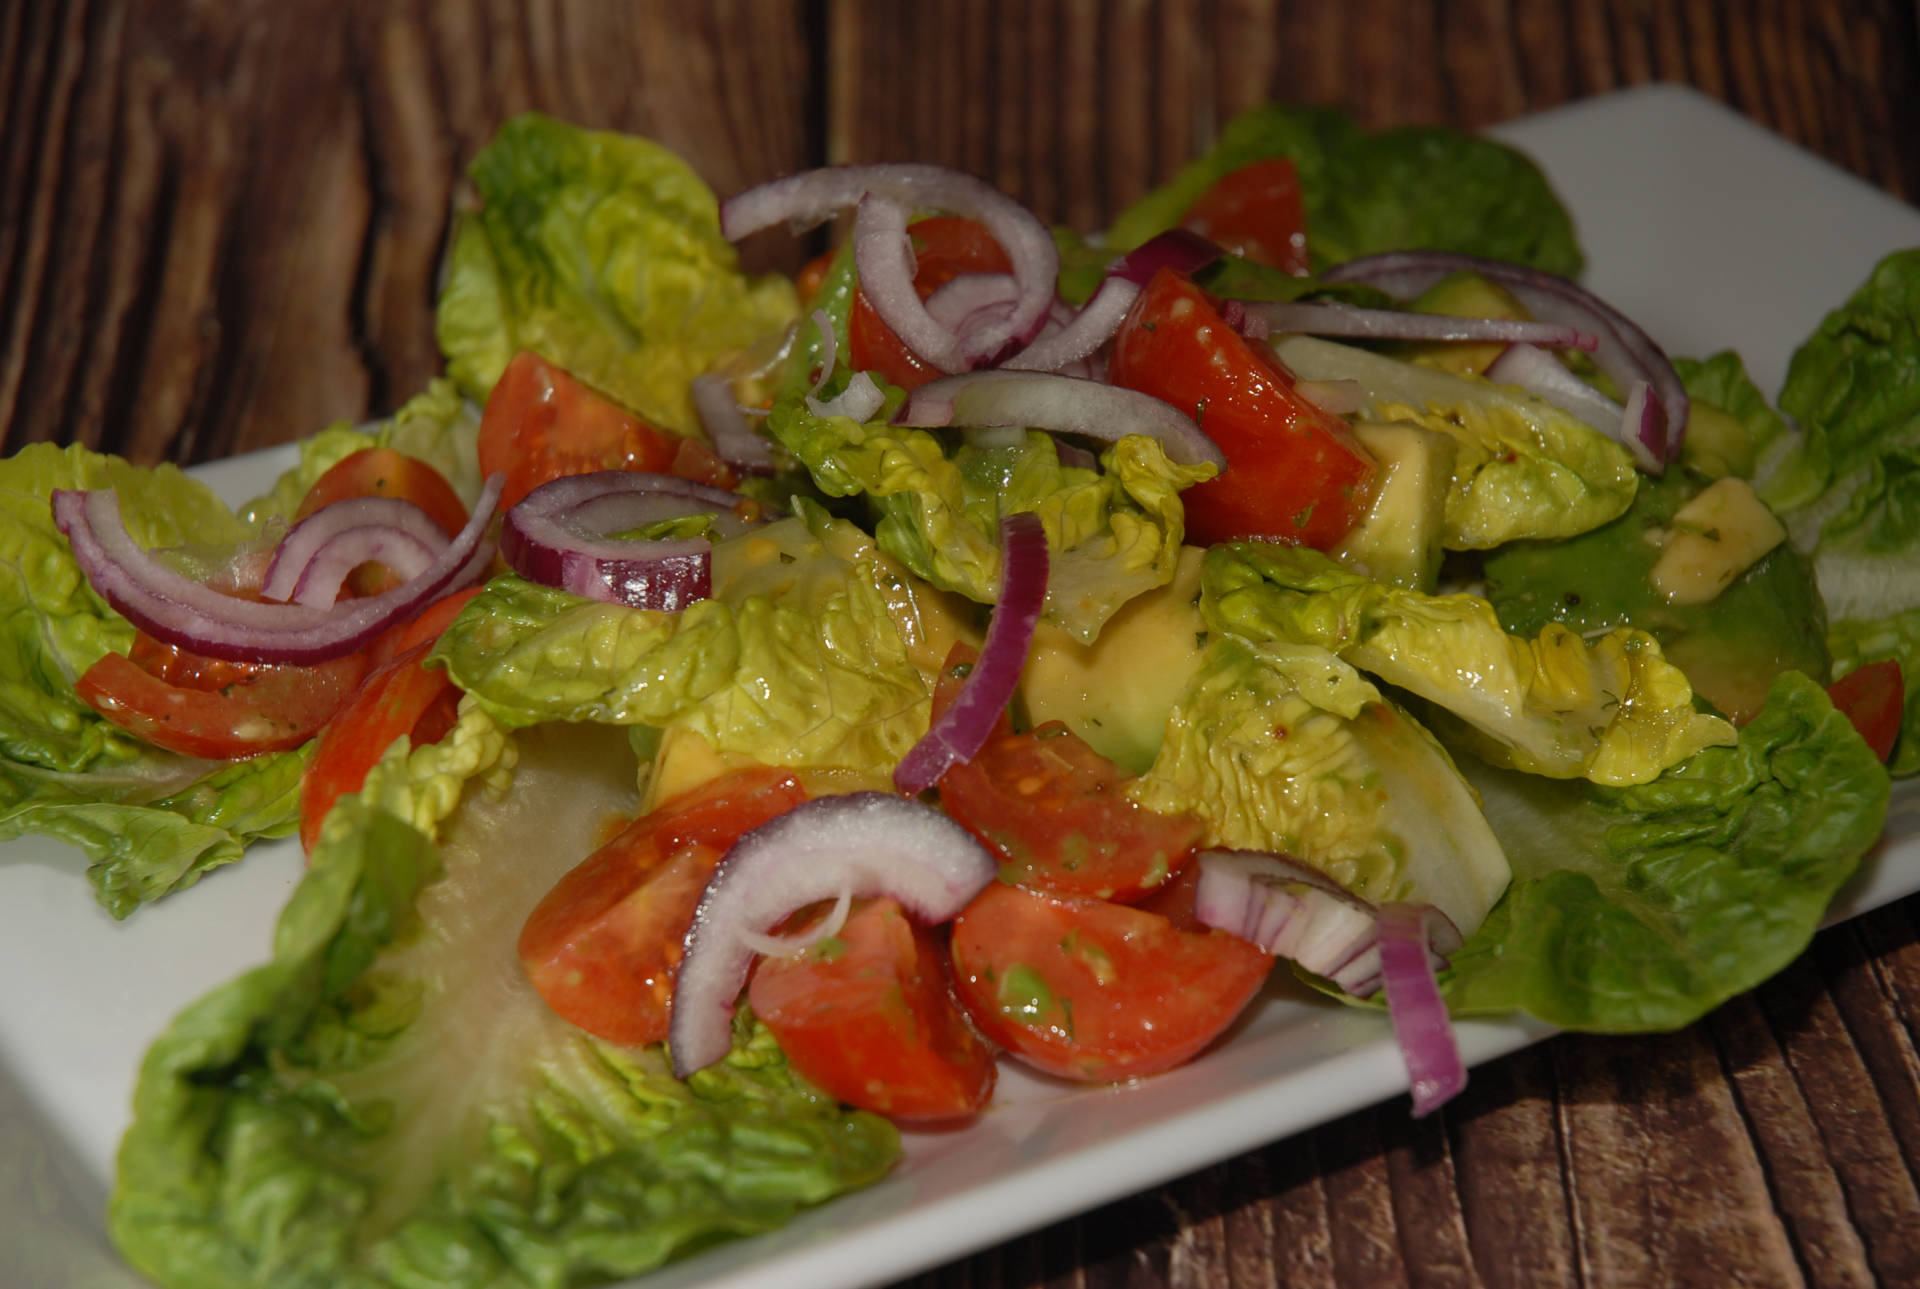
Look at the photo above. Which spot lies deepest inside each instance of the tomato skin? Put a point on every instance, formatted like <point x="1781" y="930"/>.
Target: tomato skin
<point x="1295" y="473"/>
<point x="208" y="714"/>
<point x="603" y="946"/>
<point x="540" y="424"/>
<point x="1874" y="697"/>
<point x="866" y="1015"/>
<point x="945" y="247"/>
<point x="1057" y="814"/>
<point x="1095" y="991"/>
<point x="1257" y="212"/>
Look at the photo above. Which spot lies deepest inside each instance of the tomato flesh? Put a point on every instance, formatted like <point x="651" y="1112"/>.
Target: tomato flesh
<point x="866" y="1015"/>
<point x="945" y="247"/>
<point x="540" y="424"/>
<point x="208" y="711"/>
<point x="1094" y="991"/>
<point x="1295" y="473"/>
<point x="1256" y="212"/>
<point x="603" y="946"/>
<point x="1057" y="814"/>
<point x="1874" y="697"/>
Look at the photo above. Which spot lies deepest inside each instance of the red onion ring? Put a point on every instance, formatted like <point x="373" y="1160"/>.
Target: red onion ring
<point x="861" y="400"/>
<point x="1626" y="352"/>
<point x="1180" y="249"/>
<point x="1435" y="1072"/>
<point x="1090" y="328"/>
<point x="864" y="844"/>
<point x="962" y="730"/>
<point x="883" y="254"/>
<point x="727" y="427"/>
<point x="1289" y="910"/>
<point x="403" y="554"/>
<point x="392" y="515"/>
<point x="811" y="196"/>
<point x="1331" y="318"/>
<point x="558" y="535"/>
<point x="1061" y="404"/>
<point x="1638" y="425"/>
<point x="183" y="612"/>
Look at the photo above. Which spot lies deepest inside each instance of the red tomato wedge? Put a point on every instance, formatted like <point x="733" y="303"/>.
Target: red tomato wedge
<point x="1295" y="473"/>
<point x="1090" y="990"/>
<point x="944" y="247"/>
<point x="1057" y="814"/>
<point x="866" y="1015"/>
<point x="1256" y="212"/>
<point x="207" y="710"/>
<point x="426" y="628"/>
<point x="404" y="696"/>
<point x="1874" y="697"/>
<point x="540" y="424"/>
<point x="603" y="946"/>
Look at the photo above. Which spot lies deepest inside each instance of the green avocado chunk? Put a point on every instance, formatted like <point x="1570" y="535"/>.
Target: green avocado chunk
<point x="1768" y="621"/>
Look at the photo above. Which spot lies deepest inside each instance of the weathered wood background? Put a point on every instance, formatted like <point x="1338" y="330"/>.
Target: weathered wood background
<point x="219" y="229"/>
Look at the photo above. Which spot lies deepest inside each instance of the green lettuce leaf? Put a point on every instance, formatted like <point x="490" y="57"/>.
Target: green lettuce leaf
<point x="151" y="822"/>
<point x="804" y="656"/>
<point x="1284" y="747"/>
<point x="1113" y="532"/>
<point x="1610" y="709"/>
<point x="387" y="1101"/>
<point x="602" y="252"/>
<point x="1642" y="908"/>
<point x="1524" y="468"/>
<point x="1405" y="188"/>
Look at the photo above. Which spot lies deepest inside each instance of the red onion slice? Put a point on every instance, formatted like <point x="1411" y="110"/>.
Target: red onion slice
<point x="1061" y="404"/>
<point x="883" y="253"/>
<point x="814" y="195"/>
<point x="1288" y="909"/>
<point x="560" y="534"/>
<point x="864" y="844"/>
<point x="1626" y="353"/>
<point x="727" y="427"/>
<point x="960" y="732"/>
<point x="1180" y="249"/>
<point x="1090" y="328"/>
<point x="861" y="400"/>
<point x="304" y="540"/>
<point x="181" y="611"/>
<point x="403" y="554"/>
<point x="972" y="301"/>
<point x="1330" y="318"/>
<point x="1435" y="1072"/>
<point x="1639" y="425"/>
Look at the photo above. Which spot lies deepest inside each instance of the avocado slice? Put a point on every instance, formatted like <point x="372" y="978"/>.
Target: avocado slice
<point x="1400" y="540"/>
<point x="1769" y="620"/>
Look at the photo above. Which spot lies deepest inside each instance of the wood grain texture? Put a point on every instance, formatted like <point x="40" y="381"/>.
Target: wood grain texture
<point x="220" y="228"/>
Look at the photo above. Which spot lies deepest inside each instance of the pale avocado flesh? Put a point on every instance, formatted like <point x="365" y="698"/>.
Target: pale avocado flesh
<point x="1769" y="620"/>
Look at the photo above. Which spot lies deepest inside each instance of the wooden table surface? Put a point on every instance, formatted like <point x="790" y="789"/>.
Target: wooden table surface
<point x="219" y="227"/>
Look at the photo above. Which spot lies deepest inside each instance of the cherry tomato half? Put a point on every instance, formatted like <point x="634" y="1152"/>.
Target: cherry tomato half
<point x="1874" y="697"/>
<point x="866" y="1015"/>
<point x="1256" y="212"/>
<point x="540" y="424"/>
<point x="210" y="711"/>
<point x="1294" y="472"/>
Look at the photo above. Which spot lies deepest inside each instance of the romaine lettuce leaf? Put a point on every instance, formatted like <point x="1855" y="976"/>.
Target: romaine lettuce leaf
<point x="1642" y="908"/>
<point x="815" y="650"/>
<point x="150" y="821"/>
<point x="1411" y="187"/>
<point x="1284" y="747"/>
<point x="602" y="252"/>
<point x="1610" y="709"/>
<point x="388" y="1102"/>
<point x="1524" y="468"/>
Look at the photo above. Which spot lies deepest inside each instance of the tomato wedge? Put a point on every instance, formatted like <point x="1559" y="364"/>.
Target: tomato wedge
<point x="944" y="247"/>
<point x="1257" y="212"/>
<point x="603" y="946"/>
<point x="208" y="710"/>
<point x="1090" y="990"/>
<point x="540" y="424"/>
<point x="1294" y="472"/>
<point x="1057" y="814"/>
<point x="1874" y="697"/>
<point x="866" y="1015"/>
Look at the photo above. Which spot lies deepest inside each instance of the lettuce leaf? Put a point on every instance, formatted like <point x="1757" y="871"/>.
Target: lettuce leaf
<point x="808" y="654"/>
<point x="151" y="822"/>
<point x="1642" y="908"/>
<point x="1610" y="709"/>
<point x="602" y="252"/>
<point x="387" y="1102"/>
<point x="1400" y="189"/>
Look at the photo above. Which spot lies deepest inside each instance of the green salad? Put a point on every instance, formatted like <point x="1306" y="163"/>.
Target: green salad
<point x="729" y="717"/>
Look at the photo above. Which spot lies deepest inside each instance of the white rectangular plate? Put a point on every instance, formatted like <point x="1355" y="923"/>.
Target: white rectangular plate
<point x="1711" y="232"/>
